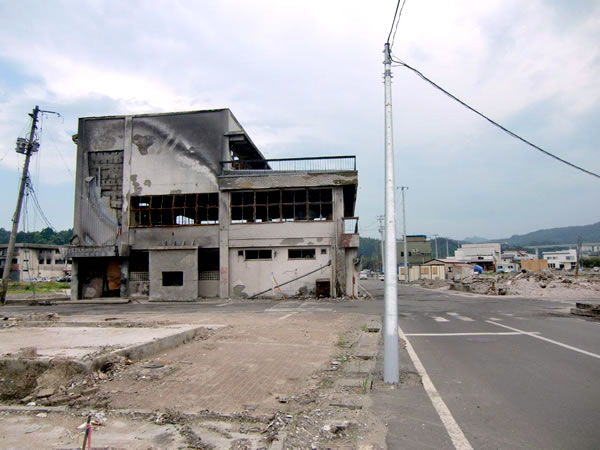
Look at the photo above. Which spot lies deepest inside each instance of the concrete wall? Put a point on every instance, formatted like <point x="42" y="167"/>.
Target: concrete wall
<point x="171" y="259"/>
<point x="249" y="277"/>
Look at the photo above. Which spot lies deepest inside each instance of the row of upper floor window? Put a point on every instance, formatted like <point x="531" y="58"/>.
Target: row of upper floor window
<point x="264" y="206"/>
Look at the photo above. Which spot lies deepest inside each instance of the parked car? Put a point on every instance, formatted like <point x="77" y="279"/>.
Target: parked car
<point x="363" y="275"/>
<point x="382" y="277"/>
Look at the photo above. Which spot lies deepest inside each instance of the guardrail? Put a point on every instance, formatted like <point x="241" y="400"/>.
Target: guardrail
<point x="311" y="164"/>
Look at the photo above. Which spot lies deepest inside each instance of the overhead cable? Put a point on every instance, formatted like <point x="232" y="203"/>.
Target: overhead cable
<point x="393" y="22"/>
<point x="506" y="130"/>
<point x="397" y="23"/>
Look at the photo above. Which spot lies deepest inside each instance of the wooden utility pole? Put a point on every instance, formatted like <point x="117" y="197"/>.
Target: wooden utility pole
<point x="10" y="251"/>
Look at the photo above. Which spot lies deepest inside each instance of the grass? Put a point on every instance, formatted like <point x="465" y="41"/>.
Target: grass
<point x="364" y="385"/>
<point x="341" y="339"/>
<point x="45" y="287"/>
<point x="364" y="328"/>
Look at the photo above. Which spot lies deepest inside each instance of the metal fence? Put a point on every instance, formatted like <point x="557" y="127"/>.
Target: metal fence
<point x="316" y="164"/>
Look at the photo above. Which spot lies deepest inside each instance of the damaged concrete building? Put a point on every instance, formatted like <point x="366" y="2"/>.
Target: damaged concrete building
<point x="181" y="206"/>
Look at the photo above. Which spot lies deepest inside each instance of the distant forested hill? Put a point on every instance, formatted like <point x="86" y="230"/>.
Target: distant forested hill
<point x="46" y="236"/>
<point x="564" y="235"/>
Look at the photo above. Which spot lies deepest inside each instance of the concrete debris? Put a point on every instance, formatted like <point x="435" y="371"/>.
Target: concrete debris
<point x="554" y="284"/>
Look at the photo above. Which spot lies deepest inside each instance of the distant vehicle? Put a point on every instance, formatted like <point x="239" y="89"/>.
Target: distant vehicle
<point x="381" y="277"/>
<point x="363" y="275"/>
<point x="596" y="269"/>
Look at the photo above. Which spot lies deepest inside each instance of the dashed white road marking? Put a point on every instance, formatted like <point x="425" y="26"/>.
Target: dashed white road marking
<point x="570" y="347"/>
<point x="440" y="319"/>
<point x="482" y="333"/>
<point x="288" y="315"/>
<point x="222" y="304"/>
<point x="458" y="316"/>
<point x="495" y="318"/>
<point x="456" y="435"/>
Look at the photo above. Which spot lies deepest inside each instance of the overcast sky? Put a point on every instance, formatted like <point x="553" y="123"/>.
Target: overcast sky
<point x="304" y="78"/>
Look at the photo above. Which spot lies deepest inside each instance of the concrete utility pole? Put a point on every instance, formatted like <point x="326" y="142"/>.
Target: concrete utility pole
<point x="10" y="251"/>
<point x="391" y="368"/>
<point x="381" y="241"/>
<point x="578" y="255"/>
<point x="406" y="270"/>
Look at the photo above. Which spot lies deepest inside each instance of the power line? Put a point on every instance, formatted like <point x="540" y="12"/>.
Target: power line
<point x="496" y="124"/>
<point x="393" y="21"/>
<point x="397" y="23"/>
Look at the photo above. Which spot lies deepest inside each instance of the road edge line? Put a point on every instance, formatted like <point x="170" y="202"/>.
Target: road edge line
<point x="457" y="436"/>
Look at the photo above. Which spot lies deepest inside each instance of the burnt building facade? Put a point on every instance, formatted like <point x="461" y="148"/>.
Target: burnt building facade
<point x="181" y="206"/>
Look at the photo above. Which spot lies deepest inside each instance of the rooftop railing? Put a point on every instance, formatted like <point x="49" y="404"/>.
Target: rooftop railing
<point x="311" y="164"/>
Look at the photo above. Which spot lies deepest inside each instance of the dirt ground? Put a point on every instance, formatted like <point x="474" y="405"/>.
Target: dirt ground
<point x="262" y="381"/>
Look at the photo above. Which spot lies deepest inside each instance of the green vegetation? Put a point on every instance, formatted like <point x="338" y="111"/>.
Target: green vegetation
<point x="364" y="385"/>
<point x="590" y="262"/>
<point x="364" y="328"/>
<point x="46" y="287"/>
<point x="46" y="236"/>
<point x="341" y="339"/>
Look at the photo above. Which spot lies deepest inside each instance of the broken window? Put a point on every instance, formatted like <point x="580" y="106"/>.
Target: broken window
<point x="178" y="209"/>
<point x="172" y="278"/>
<point x="301" y="253"/>
<point x="282" y="205"/>
<point x="258" y="254"/>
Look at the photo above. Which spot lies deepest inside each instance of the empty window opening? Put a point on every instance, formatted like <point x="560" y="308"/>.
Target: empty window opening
<point x="323" y="251"/>
<point x="283" y="205"/>
<point x="172" y="278"/>
<point x="258" y="254"/>
<point x="179" y="209"/>
<point x="301" y="253"/>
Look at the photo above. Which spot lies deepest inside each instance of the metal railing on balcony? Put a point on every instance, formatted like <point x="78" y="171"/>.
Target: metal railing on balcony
<point x="311" y="164"/>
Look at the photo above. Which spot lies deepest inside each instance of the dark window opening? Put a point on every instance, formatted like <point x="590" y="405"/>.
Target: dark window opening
<point x="172" y="278"/>
<point x="179" y="209"/>
<point x="284" y="205"/>
<point x="323" y="251"/>
<point x="258" y="254"/>
<point x="301" y="253"/>
<point x="139" y="261"/>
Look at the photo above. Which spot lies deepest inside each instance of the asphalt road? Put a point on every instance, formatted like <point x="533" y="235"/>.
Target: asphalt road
<point x="513" y="372"/>
<point x="503" y="388"/>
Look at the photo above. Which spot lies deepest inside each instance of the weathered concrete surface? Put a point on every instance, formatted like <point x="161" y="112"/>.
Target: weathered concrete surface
<point x="79" y="342"/>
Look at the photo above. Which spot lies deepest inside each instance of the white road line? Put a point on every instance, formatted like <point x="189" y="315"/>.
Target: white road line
<point x="483" y="333"/>
<point x="458" y="316"/>
<point x="288" y="315"/>
<point x="440" y="319"/>
<point x="570" y="347"/>
<point x="456" y="435"/>
<point x="495" y="318"/>
<point x="222" y="304"/>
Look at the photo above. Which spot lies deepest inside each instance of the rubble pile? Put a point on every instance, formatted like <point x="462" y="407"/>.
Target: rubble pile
<point x="548" y="284"/>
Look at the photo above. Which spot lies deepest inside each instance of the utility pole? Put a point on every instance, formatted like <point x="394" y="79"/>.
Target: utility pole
<point x="447" y="252"/>
<point x="436" y="248"/>
<point x="578" y="256"/>
<point x="406" y="270"/>
<point x="391" y="367"/>
<point x="10" y="251"/>
<point x="381" y="241"/>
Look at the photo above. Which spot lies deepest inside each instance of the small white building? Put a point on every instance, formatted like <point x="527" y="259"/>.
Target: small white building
<point x="485" y="255"/>
<point x="562" y="259"/>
